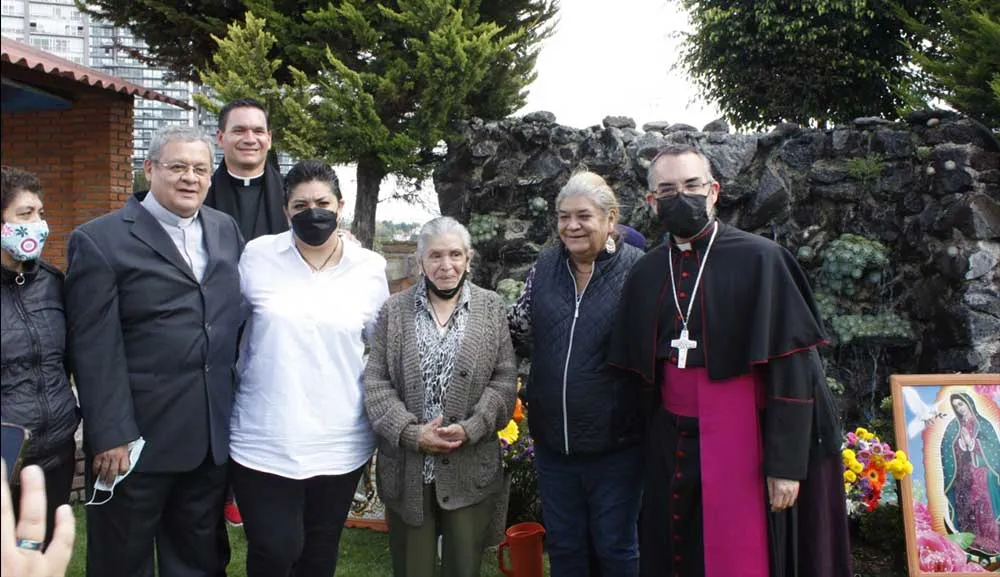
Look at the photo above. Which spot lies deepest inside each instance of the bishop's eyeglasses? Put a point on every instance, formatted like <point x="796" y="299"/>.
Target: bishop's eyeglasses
<point x="671" y="190"/>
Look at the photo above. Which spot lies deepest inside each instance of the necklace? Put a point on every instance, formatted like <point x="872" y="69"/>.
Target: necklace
<point x="437" y="320"/>
<point x="325" y="262"/>
<point x="683" y="343"/>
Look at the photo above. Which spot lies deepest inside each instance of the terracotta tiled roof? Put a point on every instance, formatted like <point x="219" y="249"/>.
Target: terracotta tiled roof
<point x="21" y="54"/>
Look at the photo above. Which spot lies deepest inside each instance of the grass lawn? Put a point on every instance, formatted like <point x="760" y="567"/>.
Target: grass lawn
<point x="363" y="553"/>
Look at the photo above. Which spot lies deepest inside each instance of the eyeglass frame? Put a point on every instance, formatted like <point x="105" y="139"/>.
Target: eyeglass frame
<point x="687" y="188"/>
<point x="192" y="168"/>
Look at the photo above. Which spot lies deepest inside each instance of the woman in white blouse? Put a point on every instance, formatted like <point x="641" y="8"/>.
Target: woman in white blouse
<point x="300" y="436"/>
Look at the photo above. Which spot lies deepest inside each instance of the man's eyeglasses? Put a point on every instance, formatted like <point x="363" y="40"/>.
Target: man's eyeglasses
<point x="670" y="191"/>
<point x="179" y="169"/>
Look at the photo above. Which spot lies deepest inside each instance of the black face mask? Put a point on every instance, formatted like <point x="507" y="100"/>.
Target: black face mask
<point x="445" y="294"/>
<point x="684" y="215"/>
<point x="314" y="225"/>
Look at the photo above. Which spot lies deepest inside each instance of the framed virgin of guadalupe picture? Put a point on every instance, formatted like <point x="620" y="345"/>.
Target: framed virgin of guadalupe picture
<point x="949" y="427"/>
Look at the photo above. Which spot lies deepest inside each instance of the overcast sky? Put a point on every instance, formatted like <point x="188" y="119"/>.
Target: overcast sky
<point x="605" y="58"/>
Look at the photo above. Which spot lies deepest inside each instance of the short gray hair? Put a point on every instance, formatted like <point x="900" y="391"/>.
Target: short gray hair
<point x="440" y="226"/>
<point x="677" y="150"/>
<point x="178" y="132"/>
<point x="592" y="186"/>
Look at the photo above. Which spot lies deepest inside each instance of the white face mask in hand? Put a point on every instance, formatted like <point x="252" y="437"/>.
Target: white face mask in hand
<point x="134" y="450"/>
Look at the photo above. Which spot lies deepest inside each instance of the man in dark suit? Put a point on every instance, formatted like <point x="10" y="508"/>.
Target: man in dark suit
<point x="154" y="309"/>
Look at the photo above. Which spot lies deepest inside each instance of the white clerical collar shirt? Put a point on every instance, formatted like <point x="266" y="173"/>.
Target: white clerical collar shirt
<point x="299" y="407"/>
<point x="185" y="232"/>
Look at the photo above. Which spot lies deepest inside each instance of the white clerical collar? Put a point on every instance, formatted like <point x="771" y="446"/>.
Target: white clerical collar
<point x="246" y="179"/>
<point x="163" y="215"/>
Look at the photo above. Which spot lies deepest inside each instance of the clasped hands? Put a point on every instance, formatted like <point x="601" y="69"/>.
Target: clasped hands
<point x="782" y="492"/>
<point x="435" y="439"/>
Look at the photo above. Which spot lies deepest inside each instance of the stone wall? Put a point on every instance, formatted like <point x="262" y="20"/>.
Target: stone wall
<point x="897" y="223"/>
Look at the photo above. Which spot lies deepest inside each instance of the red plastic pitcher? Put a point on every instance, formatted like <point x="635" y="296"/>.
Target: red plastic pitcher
<point x="524" y="546"/>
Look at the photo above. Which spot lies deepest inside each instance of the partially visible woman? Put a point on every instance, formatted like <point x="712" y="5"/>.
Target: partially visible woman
<point x="35" y="384"/>
<point x="439" y="384"/>
<point x="584" y="418"/>
<point x="300" y="437"/>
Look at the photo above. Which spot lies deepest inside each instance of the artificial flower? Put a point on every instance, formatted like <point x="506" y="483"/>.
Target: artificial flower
<point x="850" y="477"/>
<point x="518" y="411"/>
<point x="510" y="433"/>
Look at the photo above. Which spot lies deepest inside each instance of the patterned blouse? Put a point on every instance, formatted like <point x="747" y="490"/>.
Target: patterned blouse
<point x="519" y="313"/>
<point x="438" y="351"/>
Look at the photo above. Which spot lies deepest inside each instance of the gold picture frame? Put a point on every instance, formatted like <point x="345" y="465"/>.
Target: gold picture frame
<point x="951" y="501"/>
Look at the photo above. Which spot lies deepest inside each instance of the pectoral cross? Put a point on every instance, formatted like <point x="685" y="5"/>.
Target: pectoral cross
<point x="683" y="344"/>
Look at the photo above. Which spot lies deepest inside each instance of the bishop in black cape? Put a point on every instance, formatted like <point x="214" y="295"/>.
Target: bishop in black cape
<point x="754" y="313"/>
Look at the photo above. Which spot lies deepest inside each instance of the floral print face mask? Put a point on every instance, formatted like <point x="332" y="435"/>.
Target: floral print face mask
<point x="24" y="240"/>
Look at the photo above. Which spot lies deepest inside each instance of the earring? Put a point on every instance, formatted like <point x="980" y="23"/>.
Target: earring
<point x="609" y="245"/>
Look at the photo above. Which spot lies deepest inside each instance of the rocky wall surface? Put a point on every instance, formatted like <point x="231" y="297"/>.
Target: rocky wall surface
<point x="897" y="223"/>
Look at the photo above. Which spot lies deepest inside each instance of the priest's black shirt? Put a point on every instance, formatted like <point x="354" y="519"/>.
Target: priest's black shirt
<point x="257" y="205"/>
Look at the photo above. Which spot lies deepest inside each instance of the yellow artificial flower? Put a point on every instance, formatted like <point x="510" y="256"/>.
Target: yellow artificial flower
<point x="509" y="433"/>
<point x="862" y="433"/>
<point x="902" y="456"/>
<point x="850" y="477"/>
<point x="877" y="460"/>
<point x="849" y="455"/>
<point x="900" y="468"/>
<point x="856" y="466"/>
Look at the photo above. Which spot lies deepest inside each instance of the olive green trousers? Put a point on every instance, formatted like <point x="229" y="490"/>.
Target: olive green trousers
<point x="463" y="533"/>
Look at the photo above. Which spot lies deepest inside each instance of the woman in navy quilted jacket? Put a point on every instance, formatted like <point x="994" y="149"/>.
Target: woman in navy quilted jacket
<point x="584" y="418"/>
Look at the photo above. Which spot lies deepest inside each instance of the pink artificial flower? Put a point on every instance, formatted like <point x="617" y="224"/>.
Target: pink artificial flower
<point x="937" y="553"/>
<point x="989" y="391"/>
<point x="852" y="438"/>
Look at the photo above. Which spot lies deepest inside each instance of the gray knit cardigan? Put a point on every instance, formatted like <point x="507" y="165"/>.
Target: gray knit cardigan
<point x="480" y="397"/>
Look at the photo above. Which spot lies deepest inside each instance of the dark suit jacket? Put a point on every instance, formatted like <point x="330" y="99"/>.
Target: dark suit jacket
<point x="153" y="350"/>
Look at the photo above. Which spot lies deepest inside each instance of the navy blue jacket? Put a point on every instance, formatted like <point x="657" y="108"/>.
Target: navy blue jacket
<point x="576" y="404"/>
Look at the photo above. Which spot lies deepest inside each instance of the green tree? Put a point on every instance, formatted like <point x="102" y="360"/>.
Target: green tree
<point x="178" y="33"/>
<point x="959" y="59"/>
<point x="376" y="84"/>
<point x="805" y="61"/>
<point x="242" y="68"/>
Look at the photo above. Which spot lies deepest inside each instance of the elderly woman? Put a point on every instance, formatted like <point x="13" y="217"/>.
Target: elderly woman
<point x="300" y="437"/>
<point x="439" y="384"/>
<point x="35" y="387"/>
<point x="584" y="418"/>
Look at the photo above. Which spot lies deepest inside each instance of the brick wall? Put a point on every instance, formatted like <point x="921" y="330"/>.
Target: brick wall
<point x="82" y="155"/>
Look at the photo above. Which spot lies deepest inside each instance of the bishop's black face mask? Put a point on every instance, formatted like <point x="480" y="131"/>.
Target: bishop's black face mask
<point x="314" y="225"/>
<point x="445" y="294"/>
<point x="683" y="215"/>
